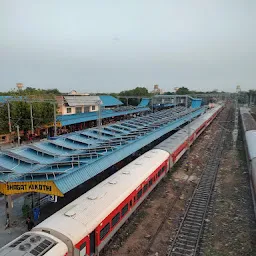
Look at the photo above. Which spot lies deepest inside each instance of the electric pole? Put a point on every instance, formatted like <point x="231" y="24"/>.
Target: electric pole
<point x="188" y="141"/>
<point x="152" y="102"/>
<point x="99" y="116"/>
<point x="9" y="117"/>
<point x="54" y="115"/>
<point x="18" y="134"/>
<point x="31" y="117"/>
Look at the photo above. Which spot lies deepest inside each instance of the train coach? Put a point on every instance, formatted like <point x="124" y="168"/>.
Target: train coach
<point x="89" y="222"/>
<point x="251" y="148"/>
<point x="249" y="137"/>
<point x="178" y="143"/>
<point x="248" y="122"/>
<point x="85" y="226"/>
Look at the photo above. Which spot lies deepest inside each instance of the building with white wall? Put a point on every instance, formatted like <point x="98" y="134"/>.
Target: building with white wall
<point x="75" y="103"/>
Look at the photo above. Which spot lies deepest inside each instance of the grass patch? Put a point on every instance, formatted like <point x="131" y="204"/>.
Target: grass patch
<point x="213" y="252"/>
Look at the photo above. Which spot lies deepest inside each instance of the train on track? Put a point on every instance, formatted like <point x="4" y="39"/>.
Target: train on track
<point x="86" y="225"/>
<point x="249" y="137"/>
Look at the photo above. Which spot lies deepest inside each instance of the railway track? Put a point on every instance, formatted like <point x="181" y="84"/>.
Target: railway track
<point x="186" y="241"/>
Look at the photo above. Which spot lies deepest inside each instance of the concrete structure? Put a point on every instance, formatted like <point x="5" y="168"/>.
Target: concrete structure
<point x="157" y="90"/>
<point x="19" y="86"/>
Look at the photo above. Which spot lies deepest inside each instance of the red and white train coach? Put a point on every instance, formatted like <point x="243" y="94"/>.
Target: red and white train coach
<point x="88" y="223"/>
<point x="178" y="143"/>
<point x="85" y="226"/>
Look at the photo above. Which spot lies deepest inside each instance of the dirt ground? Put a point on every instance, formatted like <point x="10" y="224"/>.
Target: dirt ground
<point x="231" y="229"/>
<point x="149" y="230"/>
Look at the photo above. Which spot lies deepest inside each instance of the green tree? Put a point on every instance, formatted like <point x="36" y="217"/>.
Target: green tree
<point x="20" y="110"/>
<point x="183" y="91"/>
<point x="4" y="128"/>
<point x="138" y="91"/>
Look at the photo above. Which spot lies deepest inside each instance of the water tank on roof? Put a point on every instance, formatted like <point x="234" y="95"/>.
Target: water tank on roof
<point x="19" y="85"/>
<point x="73" y="92"/>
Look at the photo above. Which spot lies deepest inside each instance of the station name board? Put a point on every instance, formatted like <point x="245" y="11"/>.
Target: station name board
<point x="45" y="187"/>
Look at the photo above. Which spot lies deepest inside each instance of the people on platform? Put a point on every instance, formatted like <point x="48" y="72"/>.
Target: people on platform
<point x="30" y="223"/>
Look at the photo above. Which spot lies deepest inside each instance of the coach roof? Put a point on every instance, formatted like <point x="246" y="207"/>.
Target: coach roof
<point x="82" y="216"/>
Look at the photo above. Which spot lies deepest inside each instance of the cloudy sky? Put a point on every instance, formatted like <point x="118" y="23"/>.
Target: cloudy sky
<point x="108" y="46"/>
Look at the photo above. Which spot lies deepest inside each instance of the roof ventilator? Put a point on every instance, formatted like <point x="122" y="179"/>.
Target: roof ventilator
<point x="71" y="212"/>
<point x="92" y="197"/>
<point x="35" y="239"/>
<point x="17" y="242"/>
<point x="112" y="182"/>
<point x="25" y="247"/>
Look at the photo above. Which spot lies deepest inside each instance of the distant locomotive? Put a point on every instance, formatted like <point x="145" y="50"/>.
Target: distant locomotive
<point x="85" y="226"/>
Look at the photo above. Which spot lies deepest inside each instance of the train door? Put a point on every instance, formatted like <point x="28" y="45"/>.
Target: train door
<point x="82" y="249"/>
<point x="92" y="243"/>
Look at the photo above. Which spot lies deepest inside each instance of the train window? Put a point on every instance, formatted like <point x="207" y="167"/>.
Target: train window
<point x="131" y="203"/>
<point x="82" y="249"/>
<point x="134" y="199"/>
<point x="145" y="188"/>
<point x="124" y="210"/>
<point x="159" y="173"/>
<point x="150" y="182"/>
<point x="104" y="231"/>
<point x="115" y="219"/>
<point x="139" y="194"/>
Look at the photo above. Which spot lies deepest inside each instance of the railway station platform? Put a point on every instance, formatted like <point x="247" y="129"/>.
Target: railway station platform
<point x="55" y="167"/>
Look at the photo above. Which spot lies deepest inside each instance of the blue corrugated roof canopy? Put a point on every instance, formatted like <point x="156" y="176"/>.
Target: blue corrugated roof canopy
<point x="4" y="99"/>
<point x="196" y="103"/>
<point x="144" y="102"/>
<point x="91" y="116"/>
<point x="108" y="100"/>
<point x="76" y="157"/>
